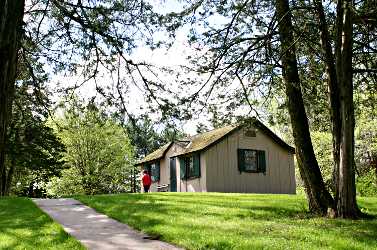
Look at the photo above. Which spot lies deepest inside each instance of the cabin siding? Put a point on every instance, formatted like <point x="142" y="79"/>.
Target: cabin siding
<point x="196" y="184"/>
<point x="171" y="152"/>
<point x="222" y="169"/>
<point x="292" y="179"/>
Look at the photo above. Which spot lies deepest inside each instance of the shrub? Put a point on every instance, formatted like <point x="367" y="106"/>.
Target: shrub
<point x="366" y="185"/>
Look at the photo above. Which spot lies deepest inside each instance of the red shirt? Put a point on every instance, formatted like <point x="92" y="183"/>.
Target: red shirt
<point x="147" y="181"/>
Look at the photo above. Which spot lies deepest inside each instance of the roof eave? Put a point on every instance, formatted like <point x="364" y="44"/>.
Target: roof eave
<point x="273" y="136"/>
<point x="149" y="161"/>
<point x="211" y="144"/>
<point x="155" y="159"/>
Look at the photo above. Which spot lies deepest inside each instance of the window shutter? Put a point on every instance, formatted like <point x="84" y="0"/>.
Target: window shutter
<point x="196" y="162"/>
<point x="241" y="160"/>
<point x="157" y="171"/>
<point x="182" y="168"/>
<point x="262" y="161"/>
<point x="148" y="168"/>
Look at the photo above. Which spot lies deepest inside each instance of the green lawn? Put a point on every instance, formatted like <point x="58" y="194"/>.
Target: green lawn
<point x="237" y="221"/>
<point x="24" y="226"/>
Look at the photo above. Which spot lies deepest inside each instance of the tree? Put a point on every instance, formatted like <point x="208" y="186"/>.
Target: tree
<point x="33" y="148"/>
<point x="340" y="72"/>
<point x="147" y="136"/>
<point x="94" y="41"/>
<point x="11" y="13"/>
<point x="99" y="154"/>
<point x="346" y="189"/>
<point x="366" y="143"/>
<point x="319" y="197"/>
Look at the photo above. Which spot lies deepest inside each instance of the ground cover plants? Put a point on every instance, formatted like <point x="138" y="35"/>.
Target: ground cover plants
<point x="24" y="226"/>
<point x="238" y="221"/>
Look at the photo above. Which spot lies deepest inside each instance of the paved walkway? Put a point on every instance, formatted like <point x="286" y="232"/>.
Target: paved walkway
<point x="95" y="230"/>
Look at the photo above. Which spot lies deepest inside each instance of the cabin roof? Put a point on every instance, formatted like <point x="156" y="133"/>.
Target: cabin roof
<point x="203" y="140"/>
<point x="155" y="155"/>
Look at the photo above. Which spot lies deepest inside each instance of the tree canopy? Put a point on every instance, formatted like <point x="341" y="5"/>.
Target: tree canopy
<point x="34" y="152"/>
<point x="99" y="156"/>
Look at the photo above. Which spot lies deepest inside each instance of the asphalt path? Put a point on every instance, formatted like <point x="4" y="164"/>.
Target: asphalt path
<point x="95" y="230"/>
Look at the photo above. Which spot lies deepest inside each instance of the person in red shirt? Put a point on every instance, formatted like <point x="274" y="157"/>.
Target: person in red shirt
<point x="147" y="181"/>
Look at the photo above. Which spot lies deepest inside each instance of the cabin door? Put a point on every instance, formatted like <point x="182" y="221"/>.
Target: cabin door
<point x="173" y="175"/>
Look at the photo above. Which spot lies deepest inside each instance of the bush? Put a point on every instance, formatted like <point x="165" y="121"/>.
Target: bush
<point x="322" y="143"/>
<point x="366" y="185"/>
<point x="68" y="184"/>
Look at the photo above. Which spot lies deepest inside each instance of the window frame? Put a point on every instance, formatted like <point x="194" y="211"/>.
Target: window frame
<point x="256" y="161"/>
<point x="187" y="160"/>
<point x="189" y="165"/>
<point x="149" y="168"/>
<point x="258" y="155"/>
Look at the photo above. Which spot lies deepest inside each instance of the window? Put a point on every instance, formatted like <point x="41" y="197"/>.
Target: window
<point x="154" y="170"/>
<point x="190" y="166"/>
<point x="250" y="160"/>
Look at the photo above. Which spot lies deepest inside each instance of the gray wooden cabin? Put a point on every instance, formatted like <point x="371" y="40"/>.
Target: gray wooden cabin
<point x="233" y="159"/>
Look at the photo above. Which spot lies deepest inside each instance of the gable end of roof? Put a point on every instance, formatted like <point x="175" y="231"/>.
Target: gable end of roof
<point x="274" y="137"/>
<point x="155" y="155"/>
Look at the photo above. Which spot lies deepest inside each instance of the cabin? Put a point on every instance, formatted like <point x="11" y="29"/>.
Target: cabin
<point x="243" y="158"/>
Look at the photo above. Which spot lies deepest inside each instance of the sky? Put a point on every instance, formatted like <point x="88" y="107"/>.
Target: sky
<point x="174" y="57"/>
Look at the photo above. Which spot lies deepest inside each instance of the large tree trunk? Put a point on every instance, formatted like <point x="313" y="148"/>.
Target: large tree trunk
<point x="11" y="14"/>
<point x="334" y="92"/>
<point x="346" y="204"/>
<point x="318" y="196"/>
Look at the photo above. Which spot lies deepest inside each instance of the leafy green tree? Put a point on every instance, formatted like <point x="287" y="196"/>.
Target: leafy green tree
<point x="367" y="184"/>
<point x="98" y="154"/>
<point x="366" y="128"/>
<point x="34" y="152"/>
<point x="148" y="136"/>
<point x="366" y="153"/>
<point x="67" y="184"/>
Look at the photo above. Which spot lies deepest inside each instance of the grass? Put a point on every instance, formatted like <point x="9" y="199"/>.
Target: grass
<point x="24" y="226"/>
<point x="237" y="221"/>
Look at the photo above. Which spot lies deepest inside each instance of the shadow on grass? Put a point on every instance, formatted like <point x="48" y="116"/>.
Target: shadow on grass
<point x="23" y="225"/>
<point x="225" y="222"/>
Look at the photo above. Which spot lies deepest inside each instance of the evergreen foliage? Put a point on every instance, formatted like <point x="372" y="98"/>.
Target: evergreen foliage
<point x="34" y="152"/>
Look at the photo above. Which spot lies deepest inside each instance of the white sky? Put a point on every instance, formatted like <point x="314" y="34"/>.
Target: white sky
<point x="173" y="57"/>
